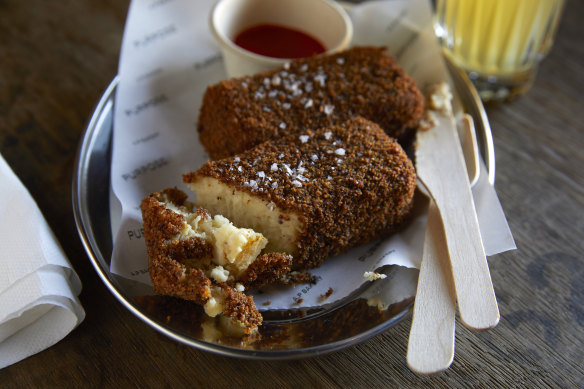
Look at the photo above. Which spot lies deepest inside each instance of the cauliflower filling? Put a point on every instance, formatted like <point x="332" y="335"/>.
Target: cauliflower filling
<point x="234" y="248"/>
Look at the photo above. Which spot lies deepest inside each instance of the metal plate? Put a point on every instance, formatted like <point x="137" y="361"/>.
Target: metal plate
<point x="284" y="335"/>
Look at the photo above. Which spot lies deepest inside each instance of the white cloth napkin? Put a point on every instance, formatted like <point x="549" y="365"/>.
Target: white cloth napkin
<point x="38" y="286"/>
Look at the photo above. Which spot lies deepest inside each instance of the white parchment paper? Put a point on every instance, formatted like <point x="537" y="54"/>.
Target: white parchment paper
<point x="168" y="58"/>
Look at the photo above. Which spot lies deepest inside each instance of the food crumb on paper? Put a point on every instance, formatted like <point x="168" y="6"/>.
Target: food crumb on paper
<point x="327" y="294"/>
<point x="372" y="276"/>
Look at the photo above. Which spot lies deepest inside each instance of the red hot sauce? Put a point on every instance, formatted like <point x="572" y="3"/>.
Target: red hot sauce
<point x="276" y="41"/>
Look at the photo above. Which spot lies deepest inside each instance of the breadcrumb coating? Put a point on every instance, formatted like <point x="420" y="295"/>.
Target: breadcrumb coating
<point x="348" y="183"/>
<point x="315" y="92"/>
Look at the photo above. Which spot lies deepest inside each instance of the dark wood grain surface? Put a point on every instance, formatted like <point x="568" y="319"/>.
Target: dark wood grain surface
<point x="57" y="57"/>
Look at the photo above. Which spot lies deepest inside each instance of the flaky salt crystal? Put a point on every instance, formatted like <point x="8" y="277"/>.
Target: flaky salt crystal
<point x="287" y="169"/>
<point x="320" y="78"/>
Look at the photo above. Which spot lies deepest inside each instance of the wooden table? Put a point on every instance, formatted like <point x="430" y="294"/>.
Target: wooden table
<point x="57" y="57"/>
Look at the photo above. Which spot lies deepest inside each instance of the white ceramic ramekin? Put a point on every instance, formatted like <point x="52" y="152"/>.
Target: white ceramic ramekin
<point x="323" y="19"/>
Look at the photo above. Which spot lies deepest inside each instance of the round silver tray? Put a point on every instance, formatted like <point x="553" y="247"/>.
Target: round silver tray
<point x="284" y="334"/>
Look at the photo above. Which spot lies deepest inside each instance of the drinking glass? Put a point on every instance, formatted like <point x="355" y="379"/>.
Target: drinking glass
<point x="499" y="43"/>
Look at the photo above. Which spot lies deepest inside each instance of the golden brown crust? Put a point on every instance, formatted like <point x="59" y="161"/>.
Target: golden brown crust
<point x="169" y="276"/>
<point x="240" y="113"/>
<point x="241" y="308"/>
<point x="267" y="269"/>
<point x="348" y="184"/>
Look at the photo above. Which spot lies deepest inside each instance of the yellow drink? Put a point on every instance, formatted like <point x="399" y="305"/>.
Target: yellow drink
<point x="498" y="42"/>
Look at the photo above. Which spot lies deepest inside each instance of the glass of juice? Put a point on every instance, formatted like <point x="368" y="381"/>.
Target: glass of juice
<point x="499" y="43"/>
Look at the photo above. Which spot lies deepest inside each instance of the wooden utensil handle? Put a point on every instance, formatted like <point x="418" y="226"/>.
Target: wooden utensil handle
<point x="477" y="304"/>
<point x="431" y="341"/>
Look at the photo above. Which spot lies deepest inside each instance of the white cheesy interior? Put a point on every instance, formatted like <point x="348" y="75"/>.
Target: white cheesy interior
<point x="234" y="249"/>
<point x="214" y="306"/>
<point x="280" y="227"/>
